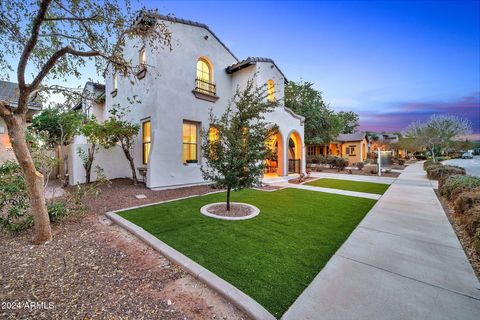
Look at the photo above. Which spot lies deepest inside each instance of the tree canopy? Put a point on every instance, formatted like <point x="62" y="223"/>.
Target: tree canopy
<point x="235" y="147"/>
<point x="439" y="132"/>
<point x="322" y="125"/>
<point x="349" y="120"/>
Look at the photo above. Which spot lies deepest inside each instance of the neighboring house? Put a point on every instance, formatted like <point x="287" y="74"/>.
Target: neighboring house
<point x="177" y="88"/>
<point x="92" y="104"/>
<point x="387" y="142"/>
<point x="9" y="93"/>
<point x="353" y="147"/>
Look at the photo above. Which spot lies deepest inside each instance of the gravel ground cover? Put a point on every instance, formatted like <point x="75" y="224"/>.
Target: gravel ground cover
<point x="94" y="270"/>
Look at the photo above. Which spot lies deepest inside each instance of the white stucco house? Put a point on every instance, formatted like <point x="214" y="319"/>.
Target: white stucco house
<point x="177" y="88"/>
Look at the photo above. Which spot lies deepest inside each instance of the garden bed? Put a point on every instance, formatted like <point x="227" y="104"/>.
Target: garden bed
<point x="95" y="270"/>
<point x="273" y="257"/>
<point x="467" y="242"/>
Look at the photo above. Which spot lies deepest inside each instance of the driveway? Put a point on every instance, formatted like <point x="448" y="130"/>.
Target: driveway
<point x="471" y="165"/>
<point x="403" y="261"/>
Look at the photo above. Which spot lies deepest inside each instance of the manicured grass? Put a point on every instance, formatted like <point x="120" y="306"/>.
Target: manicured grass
<point x="369" y="187"/>
<point x="272" y="257"/>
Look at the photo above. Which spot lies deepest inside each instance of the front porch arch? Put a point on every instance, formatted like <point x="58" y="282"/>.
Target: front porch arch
<point x="294" y="145"/>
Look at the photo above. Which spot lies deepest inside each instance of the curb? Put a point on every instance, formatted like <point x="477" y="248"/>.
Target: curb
<point x="227" y="290"/>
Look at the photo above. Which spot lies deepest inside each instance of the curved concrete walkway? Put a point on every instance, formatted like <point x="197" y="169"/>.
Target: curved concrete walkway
<point x="403" y="261"/>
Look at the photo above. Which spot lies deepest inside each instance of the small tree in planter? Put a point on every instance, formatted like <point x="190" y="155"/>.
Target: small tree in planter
<point x="234" y="154"/>
<point x="119" y="130"/>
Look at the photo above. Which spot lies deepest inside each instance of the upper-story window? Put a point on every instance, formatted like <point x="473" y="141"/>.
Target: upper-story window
<point x="204" y="82"/>
<point x="271" y="90"/>
<point x="142" y="58"/>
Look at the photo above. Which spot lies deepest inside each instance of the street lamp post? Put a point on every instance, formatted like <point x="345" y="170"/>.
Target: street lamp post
<point x="379" y="163"/>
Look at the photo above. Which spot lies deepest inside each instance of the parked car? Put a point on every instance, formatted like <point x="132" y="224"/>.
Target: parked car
<point x="467" y="155"/>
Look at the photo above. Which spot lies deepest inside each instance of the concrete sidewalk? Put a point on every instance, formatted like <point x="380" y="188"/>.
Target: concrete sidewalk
<point x="330" y="190"/>
<point x="403" y="261"/>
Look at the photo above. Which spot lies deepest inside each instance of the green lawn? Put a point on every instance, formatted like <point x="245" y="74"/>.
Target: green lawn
<point x="272" y="257"/>
<point x="369" y="187"/>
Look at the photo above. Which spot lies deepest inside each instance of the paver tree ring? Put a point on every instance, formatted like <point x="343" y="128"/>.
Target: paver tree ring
<point x="238" y="211"/>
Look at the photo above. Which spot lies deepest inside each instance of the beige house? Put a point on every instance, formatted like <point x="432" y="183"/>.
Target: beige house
<point x="9" y="93"/>
<point x="353" y="147"/>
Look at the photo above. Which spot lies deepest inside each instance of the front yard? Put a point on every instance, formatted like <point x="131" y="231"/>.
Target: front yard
<point x="272" y="257"/>
<point x="359" y="186"/>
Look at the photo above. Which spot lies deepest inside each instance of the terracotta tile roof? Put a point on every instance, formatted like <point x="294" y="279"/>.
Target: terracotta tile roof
<point x="191" y="23"/>
<point x="251" y="61"/>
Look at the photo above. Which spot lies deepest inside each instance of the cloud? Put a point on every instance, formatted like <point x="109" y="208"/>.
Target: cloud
<point x="402" y="114"/>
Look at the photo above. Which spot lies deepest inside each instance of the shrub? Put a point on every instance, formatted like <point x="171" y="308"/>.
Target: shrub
<point x="339" y="163"/>
<point x="439" y="172"/>
<point x="57" y="210"/>
<point x="471" y="220"/>
<point x="360" y="165"/>
<point x="467" y="200"/>
<point x="401" y="162"/>
<point x="430" y="163"/>
<point x="13" y="198"/>
<point x="451" y="186"/>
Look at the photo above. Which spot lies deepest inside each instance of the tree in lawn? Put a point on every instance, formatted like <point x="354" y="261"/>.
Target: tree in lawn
<point x="440" y="131"/>
<point x="52" y="40"/>
<point x="322" y="125"/>
<point x="95" y="134"/>
<point x="235" y="149"/>
<point x="118" y="130"/>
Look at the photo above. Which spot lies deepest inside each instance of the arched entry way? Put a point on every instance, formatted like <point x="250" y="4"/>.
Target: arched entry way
<point x="294" y="153"/>
<point x="274" y="163"/>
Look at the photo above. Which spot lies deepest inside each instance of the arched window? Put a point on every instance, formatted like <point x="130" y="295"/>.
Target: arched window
<point x="271" y="90"/>
<point x="205" y="76"/>
<point x="142" y="58"/>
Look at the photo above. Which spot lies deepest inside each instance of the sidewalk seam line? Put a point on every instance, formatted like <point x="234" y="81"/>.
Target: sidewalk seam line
<point x="404" y="276"/>
<point x="411" y="238"/>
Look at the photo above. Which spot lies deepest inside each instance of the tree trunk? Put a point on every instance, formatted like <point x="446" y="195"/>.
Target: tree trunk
<point x="228" y="199"/>
<point x="88" y="166"/>
<point x="16" y="125"/>
<point x="433" y="153"/>
<point x="129" y="157"/>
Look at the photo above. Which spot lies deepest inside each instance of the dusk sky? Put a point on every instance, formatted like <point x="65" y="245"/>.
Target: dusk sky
<point x="391" y="62"/>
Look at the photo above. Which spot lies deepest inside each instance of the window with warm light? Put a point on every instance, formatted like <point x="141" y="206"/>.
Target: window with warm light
<point x="189" y="137"/>
<point x="271" y="90"/>
<point x="143" y="59"/>
<point x="204" y="80"/>
<point x="213" y="134"/>
<point x="146" y="140"/>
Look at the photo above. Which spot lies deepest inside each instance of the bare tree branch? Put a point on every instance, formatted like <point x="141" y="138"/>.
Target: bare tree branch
<point x="92" y="18"/>
<point x="22" y="64"/>
<point x="54" y="58"/>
